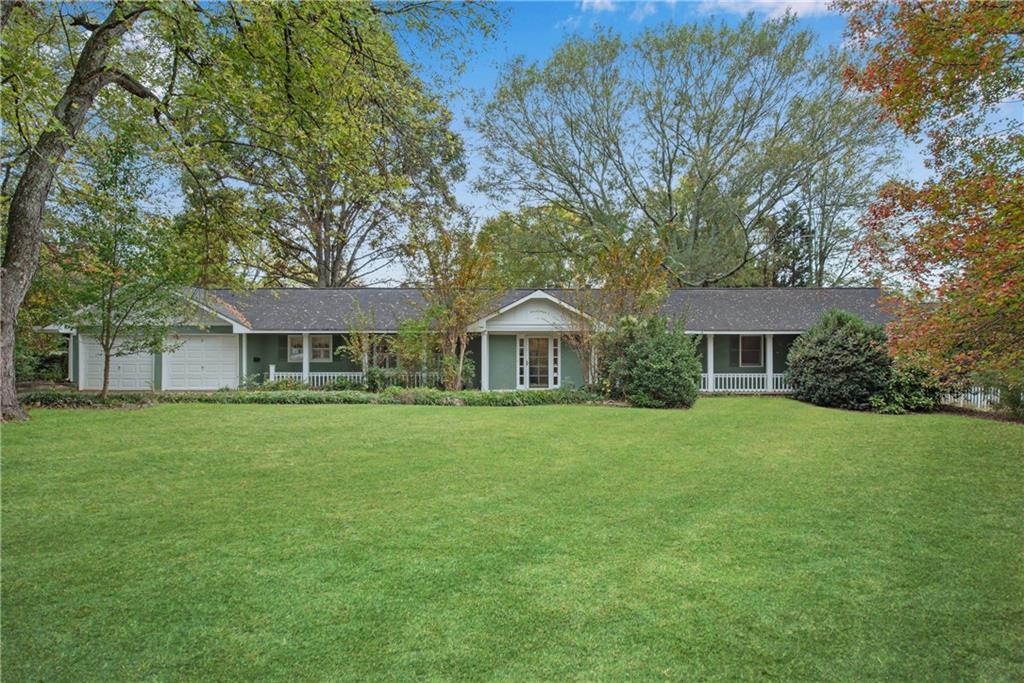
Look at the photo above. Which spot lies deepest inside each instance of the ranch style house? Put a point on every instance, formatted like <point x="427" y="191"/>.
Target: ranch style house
<point x="265" y="334"/>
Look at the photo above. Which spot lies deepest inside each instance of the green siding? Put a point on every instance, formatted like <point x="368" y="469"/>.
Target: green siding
<point x="473" y="352"/>
<point x="727" y="355"/>
<point x="572" y="373"/>
<point x="267" y="349"/>
<point x="502" y="349"/>
<point x="782" y="343"/>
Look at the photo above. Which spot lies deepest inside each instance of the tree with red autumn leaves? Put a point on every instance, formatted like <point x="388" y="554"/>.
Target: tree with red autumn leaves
<point x="951" y="72"/>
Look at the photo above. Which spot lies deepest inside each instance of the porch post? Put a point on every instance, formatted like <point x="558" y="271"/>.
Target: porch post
<point x="305" y="357"/>
<point x="81" y="363"/>
<point x="485" y="362"/>
<point x="272" y="370"/>
<point x="711" y="362"/>
<point x="769" y="363"/>
<point x="71" y="363"/>
<point x="245" y="356"/>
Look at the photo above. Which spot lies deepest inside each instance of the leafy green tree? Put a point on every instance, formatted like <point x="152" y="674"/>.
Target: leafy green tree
<point x="126" y="269"/>
<point x="460" y="283"/>
<point x="534" y="247"/>
<point x="689" y="136"/>
<point x="335" y="145"/>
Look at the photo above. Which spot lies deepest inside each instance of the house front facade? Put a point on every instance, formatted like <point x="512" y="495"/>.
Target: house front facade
<point x="267" y="334"/>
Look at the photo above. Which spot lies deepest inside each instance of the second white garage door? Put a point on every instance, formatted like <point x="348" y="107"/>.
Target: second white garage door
<point x="202" y="362"/>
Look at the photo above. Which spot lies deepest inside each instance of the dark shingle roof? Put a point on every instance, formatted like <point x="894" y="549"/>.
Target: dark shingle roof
<point x="703" y="309"/>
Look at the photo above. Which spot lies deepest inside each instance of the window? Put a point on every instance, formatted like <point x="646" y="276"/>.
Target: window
<point x="320" y="348"/>
<point x="522" y="362"/>
<point x="294" y="348"/>
<point x="383" y="355"/>
<point x="556" y="349"/>
<point x="751" y="351"/>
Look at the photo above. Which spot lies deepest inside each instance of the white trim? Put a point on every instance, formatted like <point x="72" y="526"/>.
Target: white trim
<point x="330" y="348"/>
<point x="245" y="358"/>
<point x="81" y="365"/>
<point x="481" y="324"/>
<point x="769" y="360"/>
<point x="711" y="361"/>
<point x="760" y="339"/>
<point x="305" y="358"/>
<point x="485" y="362"/>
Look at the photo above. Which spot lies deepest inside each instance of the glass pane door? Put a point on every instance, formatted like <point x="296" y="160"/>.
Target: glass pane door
<point x="539" y="362"/>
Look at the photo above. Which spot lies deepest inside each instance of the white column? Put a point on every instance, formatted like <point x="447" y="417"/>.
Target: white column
<point x="245" y="356"/>
<point x="81" y="363"/>
<point x="71" y="364"/>
<point x="769" y="363"/>
<point x="305" y="357"/>
<point x="711" y="362"/>
<point x="485" y="362"/>
<point x="273" y="372"/>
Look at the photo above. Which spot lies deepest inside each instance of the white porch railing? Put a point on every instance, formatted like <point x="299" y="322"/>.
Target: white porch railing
<point x="321" y="379"/>
<point x="745" y="383"/>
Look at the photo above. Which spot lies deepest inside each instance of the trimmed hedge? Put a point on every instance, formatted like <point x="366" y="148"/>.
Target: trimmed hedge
<point x="54" y="398"/>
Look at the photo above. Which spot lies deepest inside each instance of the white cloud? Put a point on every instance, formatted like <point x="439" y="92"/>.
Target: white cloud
<point x="642" y="10"/>
<point x="773" y="8"/>
<point x="598" y="5"/>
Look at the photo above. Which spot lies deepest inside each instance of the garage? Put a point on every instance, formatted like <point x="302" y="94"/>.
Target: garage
<point x="130" y="372"/>
<point x="201" y="362"/>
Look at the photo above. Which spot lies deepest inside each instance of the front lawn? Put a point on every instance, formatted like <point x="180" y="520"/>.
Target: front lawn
<point x="746" y="538"/>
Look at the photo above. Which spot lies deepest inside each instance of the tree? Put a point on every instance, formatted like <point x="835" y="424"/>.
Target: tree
<point x="625" y="280"/>
<point x="43" y="47"/>
<point x="533" y="247"/>
<point x="174" y="70"/>
<point x="949" y="72"/>
<point x="336" y="148"/>
<point x="460" y="283"/>
<point x="689" y="136"/>
<point x="126" y="269"/>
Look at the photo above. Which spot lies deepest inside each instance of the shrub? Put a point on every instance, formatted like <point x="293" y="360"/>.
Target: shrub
<point x="285" y="384"/>
<point x="652" y="365"/>
<point x="376" y="379"/>
<point x="54" y="398"/>
<point x="62" y="398"/>
<point x="909" y="389"/>
<point x="1011" y="400"/>
<point x="840" y="362"/>
<point x="343" y="384"/>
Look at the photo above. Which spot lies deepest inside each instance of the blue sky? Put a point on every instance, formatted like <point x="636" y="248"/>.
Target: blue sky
<point x="534" y="29"/>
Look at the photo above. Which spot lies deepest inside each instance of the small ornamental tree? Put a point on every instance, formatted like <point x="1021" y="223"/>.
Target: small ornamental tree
<point x="652" y="365"/>
<point x="840" y="362"/>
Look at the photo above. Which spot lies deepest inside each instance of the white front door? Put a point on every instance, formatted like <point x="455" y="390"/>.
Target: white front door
<point x="538" y="359"/>
<point x="133" y="371"/>
<point x="202" y="362"/>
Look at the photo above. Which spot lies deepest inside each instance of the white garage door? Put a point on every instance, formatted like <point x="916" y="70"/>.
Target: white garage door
<point x="202" y="362"/>
<point x="134" y="371"/>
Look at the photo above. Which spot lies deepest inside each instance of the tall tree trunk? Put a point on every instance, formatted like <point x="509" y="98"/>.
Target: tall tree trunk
<point x="25" y="214"/>
<point x="106" y="374"/>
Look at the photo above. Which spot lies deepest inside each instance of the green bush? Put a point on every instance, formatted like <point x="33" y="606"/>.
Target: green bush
<point x="55" y="398"/>
<point x="1011" y="400"/>
<point x="909" y="389"/>
<point x="343" y="384"/>
<point x="840" y="362"/>
<point x="286" y="384"/>
<point x="63" y="398"/>
<point x="376" y="379"/>
<point x="652" y="365"/>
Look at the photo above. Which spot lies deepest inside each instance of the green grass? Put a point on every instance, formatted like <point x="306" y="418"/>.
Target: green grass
<point x="747" y="538"/>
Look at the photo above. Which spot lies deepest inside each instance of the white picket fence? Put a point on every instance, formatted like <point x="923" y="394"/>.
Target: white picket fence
<point x="391" y="377"/>
<point x="973" y="398"/>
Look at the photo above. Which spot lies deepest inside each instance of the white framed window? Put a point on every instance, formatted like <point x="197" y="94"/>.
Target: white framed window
<point x="320" y="348"/>
<point x="294" y="348"/>
<point x="751" y="351"/>
<point x="538" y="362"/>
